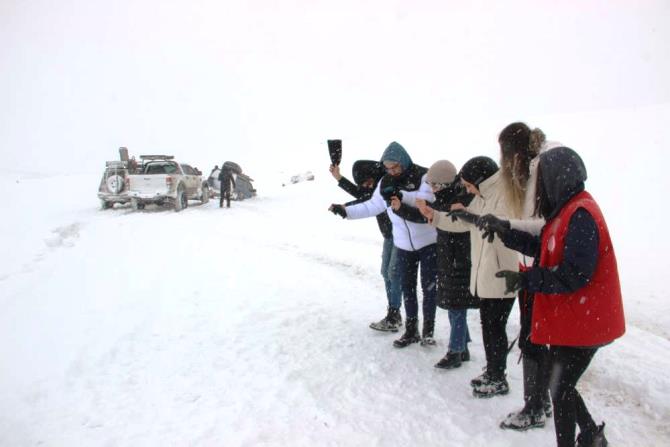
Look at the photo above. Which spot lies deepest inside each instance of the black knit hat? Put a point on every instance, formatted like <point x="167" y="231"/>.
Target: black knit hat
<point x="478" y="169"/>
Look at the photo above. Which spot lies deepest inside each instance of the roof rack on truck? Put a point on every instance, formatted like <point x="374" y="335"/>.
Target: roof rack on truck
<point x="156" y="157"/>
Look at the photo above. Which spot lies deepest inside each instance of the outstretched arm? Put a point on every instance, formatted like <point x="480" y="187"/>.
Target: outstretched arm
<point x="580" y="256"/>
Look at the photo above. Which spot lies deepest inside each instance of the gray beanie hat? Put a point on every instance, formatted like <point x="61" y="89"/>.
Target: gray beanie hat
<point x="442" y="171"/>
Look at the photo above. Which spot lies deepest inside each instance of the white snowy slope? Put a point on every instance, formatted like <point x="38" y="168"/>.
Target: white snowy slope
<point x="248" y="326"/>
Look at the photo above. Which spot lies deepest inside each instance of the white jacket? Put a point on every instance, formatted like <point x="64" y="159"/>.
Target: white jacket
<point x="409" y="236"/>
<point x="487" y="258"/>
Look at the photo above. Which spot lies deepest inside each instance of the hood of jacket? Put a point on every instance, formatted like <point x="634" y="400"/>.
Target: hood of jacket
<point x="563" y="174"/>
<point x="395" y="152"/>
<point x="365" y="169"/>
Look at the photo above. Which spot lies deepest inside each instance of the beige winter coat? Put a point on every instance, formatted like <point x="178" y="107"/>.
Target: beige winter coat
<point x="487" y="258"/>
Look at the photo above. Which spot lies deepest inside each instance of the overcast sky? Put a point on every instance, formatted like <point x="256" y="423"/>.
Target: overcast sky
<point x="270" y="81"/>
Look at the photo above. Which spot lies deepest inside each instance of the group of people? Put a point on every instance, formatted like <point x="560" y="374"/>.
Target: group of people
<point x="483" y="236"/>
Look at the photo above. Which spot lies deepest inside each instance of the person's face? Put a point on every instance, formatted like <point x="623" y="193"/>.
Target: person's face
<point x="393" y="168"/>
<point x="368" y="183"/>
<point x="437" y="187"/>
<point x="470" y="187"/>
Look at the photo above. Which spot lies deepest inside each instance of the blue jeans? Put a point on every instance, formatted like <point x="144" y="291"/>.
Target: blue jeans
<point x="390" y="274"/>
<point x="408" y="265"/>
<point x="459" y="335"/>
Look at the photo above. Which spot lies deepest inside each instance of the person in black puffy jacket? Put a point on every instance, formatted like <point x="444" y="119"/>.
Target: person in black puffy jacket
<point x="453" y="264"/>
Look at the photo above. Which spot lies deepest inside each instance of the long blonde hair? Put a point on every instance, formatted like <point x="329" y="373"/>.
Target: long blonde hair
<point x="518" y="146"/>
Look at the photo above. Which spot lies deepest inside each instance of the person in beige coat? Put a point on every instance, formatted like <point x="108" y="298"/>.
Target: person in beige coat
<point x="481" y="177"/>
<point x="520" y="149"/>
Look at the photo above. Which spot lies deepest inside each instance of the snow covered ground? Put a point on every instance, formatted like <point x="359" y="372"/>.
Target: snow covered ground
<point x="248" y="326"/>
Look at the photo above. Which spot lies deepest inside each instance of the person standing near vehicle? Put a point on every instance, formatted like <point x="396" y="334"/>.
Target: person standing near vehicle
<point x="366" y="174"/>
<point x="227" y="184"/>
<point x="413" y="237"/>
<point x="481" y="177"/>
<point x="577" y="305"/>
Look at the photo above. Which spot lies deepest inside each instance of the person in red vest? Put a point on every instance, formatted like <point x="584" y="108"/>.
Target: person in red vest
<point x="577" y="306"/>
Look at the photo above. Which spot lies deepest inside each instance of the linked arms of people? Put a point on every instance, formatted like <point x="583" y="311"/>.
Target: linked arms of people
<point x="491" y="225"/>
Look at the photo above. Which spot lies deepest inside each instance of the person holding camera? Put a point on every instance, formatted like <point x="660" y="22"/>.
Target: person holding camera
<point x="366" y="174"/>
<point x="413" y="237"/>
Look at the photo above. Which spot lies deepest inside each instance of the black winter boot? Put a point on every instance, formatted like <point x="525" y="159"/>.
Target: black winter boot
<point x="390" y="323"/>
<point x="450" y="361"/>
<point x="492" y="386"/>
<point x="427" y="333"/>
<point x="593" y="439"/>
<point x="465" y="355"/>
<point x="411" y="334"/>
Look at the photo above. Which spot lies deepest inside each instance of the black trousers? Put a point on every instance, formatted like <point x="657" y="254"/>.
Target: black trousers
<point x="493" y="314"/>
<point x="225" y="194"/>
<point x="567" y="366"/>
<point x="536" y="360"/>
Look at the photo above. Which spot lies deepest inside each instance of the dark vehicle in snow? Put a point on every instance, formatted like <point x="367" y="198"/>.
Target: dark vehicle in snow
<point x="244" y="189"/>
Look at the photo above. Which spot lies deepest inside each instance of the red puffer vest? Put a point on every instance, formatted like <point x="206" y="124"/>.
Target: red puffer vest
<point x="592" y="315"/>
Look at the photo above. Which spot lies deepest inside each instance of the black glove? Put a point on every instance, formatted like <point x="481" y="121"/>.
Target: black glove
<point x="492" y="225"/>
<point x="513" y="280"/>
<point x="338" y="210"/>
<point x="465" y="216"/>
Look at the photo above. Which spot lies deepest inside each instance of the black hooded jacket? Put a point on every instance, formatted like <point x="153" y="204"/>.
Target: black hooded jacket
<point x="453" y="256"/>
<point x="561" y="176"/>
<point x="226" y="179"/>
<point x="363" y="170"/>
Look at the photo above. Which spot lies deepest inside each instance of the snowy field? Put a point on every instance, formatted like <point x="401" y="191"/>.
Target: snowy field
<point x="248" y="326"/>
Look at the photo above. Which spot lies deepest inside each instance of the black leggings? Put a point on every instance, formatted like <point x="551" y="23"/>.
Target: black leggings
<point x="535" y="358"/>
<point x="567" y="366"/>
<point x="493" y="313"/>
<point x="225" y="195"/>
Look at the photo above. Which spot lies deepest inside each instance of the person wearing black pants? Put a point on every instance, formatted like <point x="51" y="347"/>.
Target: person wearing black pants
<point x="569" y="364"/>
<point x="577" y="305"/>
<point x="520" y="147"/>
<point x="227" y="184"/>
<point x="494" y="314"/>
<point x="481" y="177"/>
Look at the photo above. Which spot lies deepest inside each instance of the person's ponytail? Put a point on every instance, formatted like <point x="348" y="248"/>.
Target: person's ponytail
<point x="535" y="141"/>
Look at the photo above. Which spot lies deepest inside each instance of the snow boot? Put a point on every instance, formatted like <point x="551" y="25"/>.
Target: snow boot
<point x="411" y="334"/>
<point x="493" y="386"/>
<point x="390" y="323"/>
<point x="483" y="377"/>
<point x="427" y="333"/>
<point x="546" y="406"/>
<point x="465" y="355"/>
<point x="450" y="361"/>
<point x="593" y="439"/>
<point x="524" y="420"/>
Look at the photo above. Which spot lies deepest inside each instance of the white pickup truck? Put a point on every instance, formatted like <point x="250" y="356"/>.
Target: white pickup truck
<point x="163" y="181"/>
